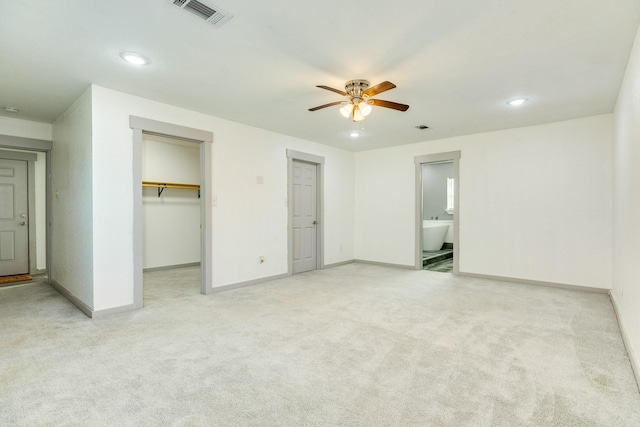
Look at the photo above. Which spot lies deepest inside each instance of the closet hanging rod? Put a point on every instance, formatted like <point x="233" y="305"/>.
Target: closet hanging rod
<point x="162" y="185"/>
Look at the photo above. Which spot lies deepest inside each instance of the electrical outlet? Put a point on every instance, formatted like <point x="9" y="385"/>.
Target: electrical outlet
<point x="261" y="260"/>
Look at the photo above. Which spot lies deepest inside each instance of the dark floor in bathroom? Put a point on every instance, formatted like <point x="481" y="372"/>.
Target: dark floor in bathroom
<point x="440" y="261"/>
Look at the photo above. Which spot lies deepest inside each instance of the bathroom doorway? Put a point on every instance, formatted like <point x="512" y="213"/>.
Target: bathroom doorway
<point x="437" y="212"/>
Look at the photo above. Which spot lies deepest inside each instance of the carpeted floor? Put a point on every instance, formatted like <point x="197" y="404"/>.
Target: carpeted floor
<point x="356" y="345"/>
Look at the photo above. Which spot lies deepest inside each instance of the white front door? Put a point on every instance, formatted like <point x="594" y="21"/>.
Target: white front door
<point x="14" y="229"/>
<point x="304" y="217"/>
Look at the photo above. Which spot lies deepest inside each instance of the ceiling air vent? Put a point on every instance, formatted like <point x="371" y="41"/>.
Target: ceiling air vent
<point x="211" y="14"/>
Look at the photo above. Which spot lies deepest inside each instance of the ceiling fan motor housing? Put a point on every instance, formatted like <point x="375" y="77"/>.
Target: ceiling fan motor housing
<point x="354" y="88"/>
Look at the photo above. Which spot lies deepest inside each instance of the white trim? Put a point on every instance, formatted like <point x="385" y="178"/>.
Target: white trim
<point x="633" y="356"/>
<point x="536" y="283"/>
<point x="305" y="157"/>
<point x="383" y="264"/>
<point x="88" y="311"/>
<point x="239" y="285"/>
<point x="20" y="143"/>
<point x="319" y="162"/>
<point x="99" y="314"/>
<point x="49" y="222"/>
<point x="31" y="188"/>
<point x="156" y="127"/>
<point x="206" y="217"/>
<point x="338" y="264"/>
<point x="138" y="230"/>
<point x="84" y="308"/>
<point x="171" y="267"/>
<point x="437" y="157"/>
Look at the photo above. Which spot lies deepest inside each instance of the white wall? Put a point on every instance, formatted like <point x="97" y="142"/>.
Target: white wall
<point x="171" y="221"/>
<point x="25" y="128"/>
<point x="72" y="201"/>
<point x="250" y="219"/>
<point x="626" y="203"/>
<point x="535" y="202"/>
<point x="36" y="130"/>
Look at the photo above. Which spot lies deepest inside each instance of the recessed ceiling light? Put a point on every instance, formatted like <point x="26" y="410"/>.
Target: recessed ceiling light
<point x="517" y="101"/>
<point x="134" y="58"/>
<point x="11" y="109"/>
<point x="354" y="134"/>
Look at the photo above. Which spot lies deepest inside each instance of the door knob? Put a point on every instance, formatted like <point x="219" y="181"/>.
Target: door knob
<point x="315" y="222"/>
<point x="23" y="223"/>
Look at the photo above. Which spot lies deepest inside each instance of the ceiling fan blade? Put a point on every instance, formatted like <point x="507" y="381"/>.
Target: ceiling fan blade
<point x="326" y="105"/>
<point x="379" y="88"/>
<point x="333" y="90"/>
<point x="388" y="104"/>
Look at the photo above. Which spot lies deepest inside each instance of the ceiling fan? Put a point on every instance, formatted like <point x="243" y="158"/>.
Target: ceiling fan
<point x="359" y="102"/>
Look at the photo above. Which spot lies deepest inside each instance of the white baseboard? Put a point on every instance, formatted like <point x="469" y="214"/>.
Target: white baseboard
<point x="223" y="288"/>
<point x="633" y="356"/>
<point x="385" y="264"/>
<point x="88" y="311"/>
<point x="338" y="264"/>
<point x="537" y="283"/>
<point x="99" y="314"/>
<point x="170" y="267"/>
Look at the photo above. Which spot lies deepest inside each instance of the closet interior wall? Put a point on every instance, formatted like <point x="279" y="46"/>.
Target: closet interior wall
<point x="171" y="216"/>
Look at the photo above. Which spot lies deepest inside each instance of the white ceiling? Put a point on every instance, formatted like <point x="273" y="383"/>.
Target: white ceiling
<point x="455" y="62"/>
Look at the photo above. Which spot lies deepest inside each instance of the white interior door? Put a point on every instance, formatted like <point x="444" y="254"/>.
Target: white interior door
<point x="14" y="229"/>
<point x="304" y="217"/>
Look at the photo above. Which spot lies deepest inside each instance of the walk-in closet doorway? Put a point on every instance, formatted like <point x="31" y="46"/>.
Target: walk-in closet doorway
<point x="172" y="209"/>
<point x="171" y="216"/>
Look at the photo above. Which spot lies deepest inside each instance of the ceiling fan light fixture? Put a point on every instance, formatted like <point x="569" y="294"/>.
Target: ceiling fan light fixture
<point x="365" y="108"/>
<point x="354" y="134"/>
<point x="346" y="110"/>
<point x="358" y="103"/>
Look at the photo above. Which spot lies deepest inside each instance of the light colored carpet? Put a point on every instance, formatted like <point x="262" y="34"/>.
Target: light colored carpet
<point x="356" y="345"/>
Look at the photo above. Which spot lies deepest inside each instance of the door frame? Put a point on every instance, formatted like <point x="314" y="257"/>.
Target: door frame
<point x="44" y="146"/>
<point x="318" y="161"/>
<point x="204" y="138"/>
<point x="437" y="158"/>
<point x="30" y="158"/>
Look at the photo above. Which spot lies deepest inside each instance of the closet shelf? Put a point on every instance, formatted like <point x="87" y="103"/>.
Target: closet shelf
<point x="162" y="185"/>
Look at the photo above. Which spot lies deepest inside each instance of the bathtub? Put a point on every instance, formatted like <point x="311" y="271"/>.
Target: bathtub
<point x="435" y="233"/>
